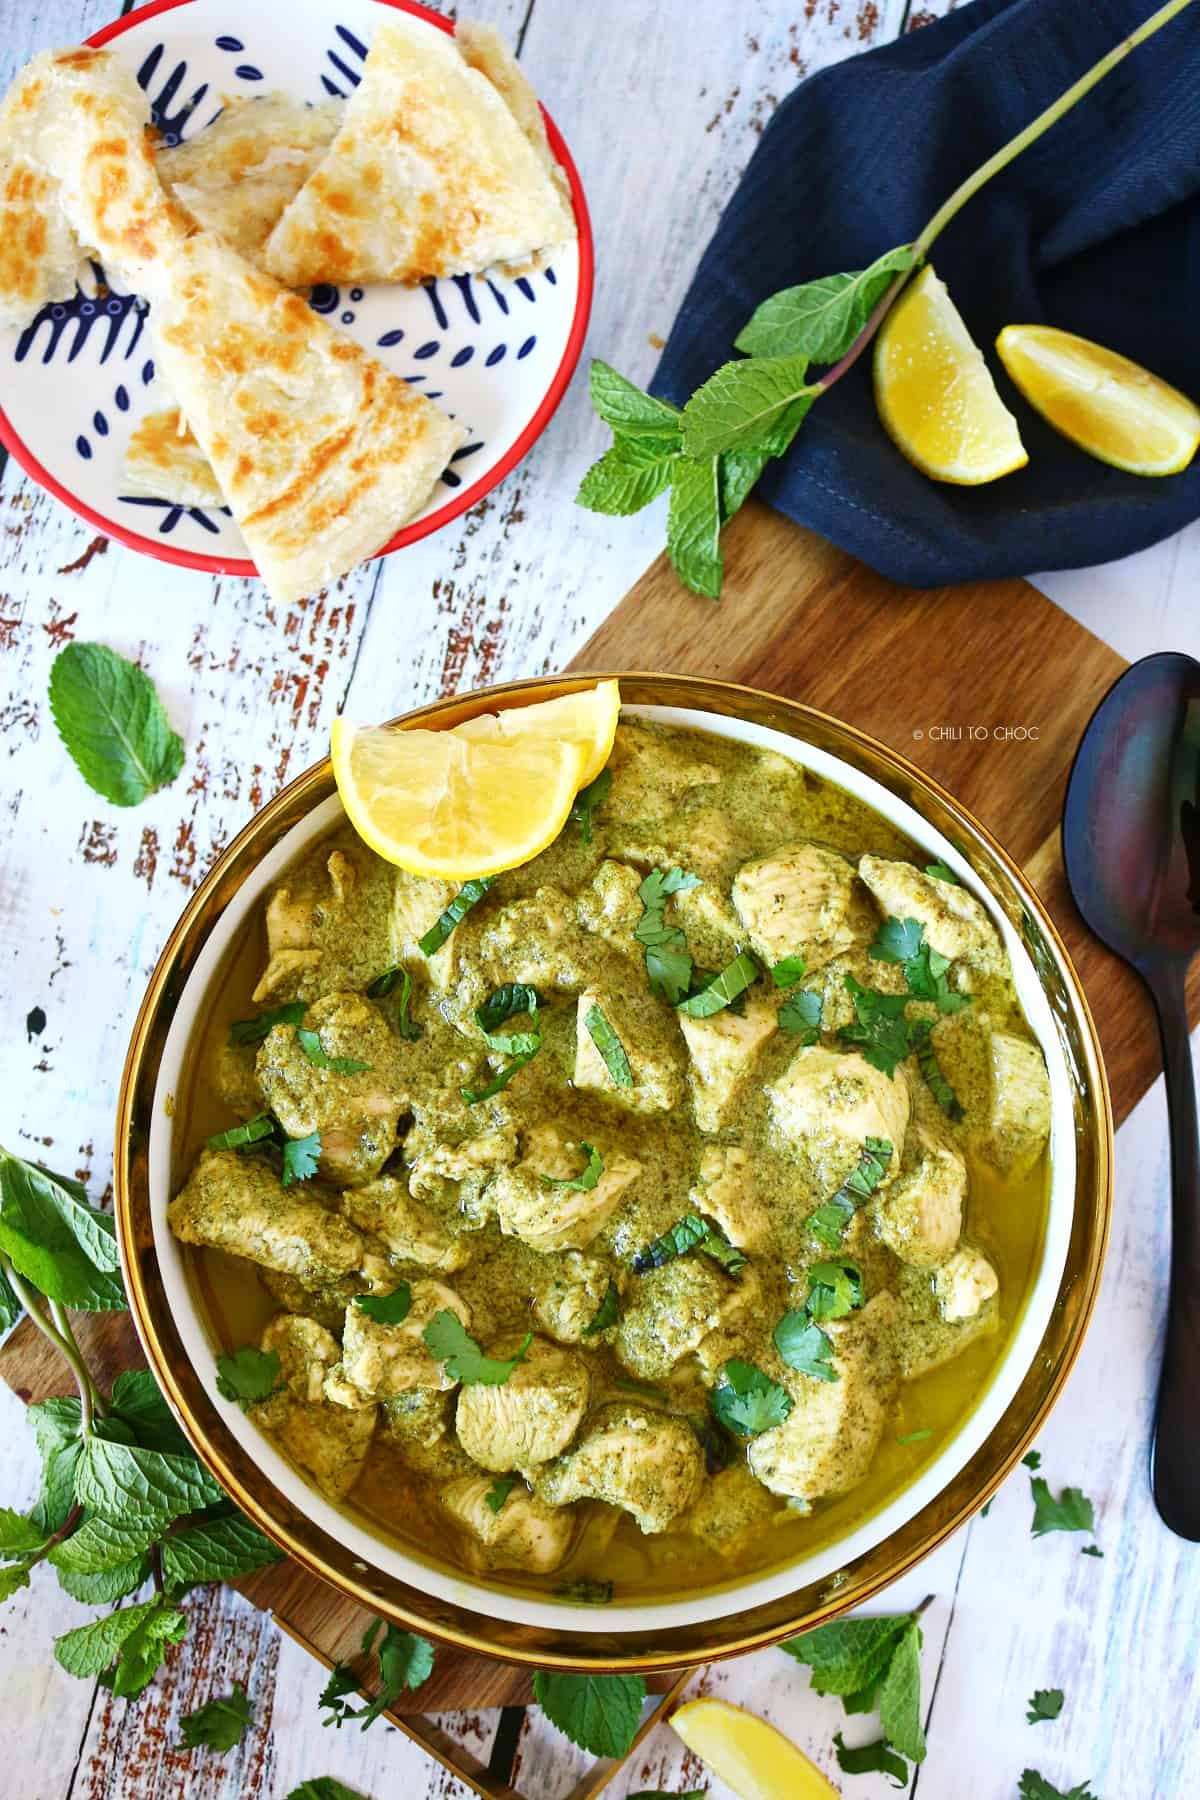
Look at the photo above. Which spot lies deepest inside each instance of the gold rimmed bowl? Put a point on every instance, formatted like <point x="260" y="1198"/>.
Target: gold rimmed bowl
<point x="484" y="1616"/>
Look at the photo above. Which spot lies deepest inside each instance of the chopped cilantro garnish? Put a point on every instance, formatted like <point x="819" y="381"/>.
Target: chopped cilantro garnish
<point x="747" y="1401"/>
<point x="610" y="1047"/>
<point x="804" y="1346"/>
<point x="447" y="1339"/>
<point x="249" y="1375"/>
<point x="589" y="800"/>
<point x="834" y="1289"/>
<point x="1072" y="1511"/>
<point x="800" y="1016"/>
<point x="880" y="1030"/>
<point x="467" y="896"/>
<point x="499" y="1491"/>
<point x="942" y="872"/>
<point x="904" y="941"/>
<point x="788" y="971"/>
<point x="300" y="1158"/>
<point x="386" y="1309"/>
<point x="668" y="964"/>
<point x="1046" y="1703"/>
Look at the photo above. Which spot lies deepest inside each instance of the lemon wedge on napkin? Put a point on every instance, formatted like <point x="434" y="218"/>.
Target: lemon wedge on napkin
<point x="1111" y="407"/>
<point x="935" y="394"/>
<point x="749" y="1755"/>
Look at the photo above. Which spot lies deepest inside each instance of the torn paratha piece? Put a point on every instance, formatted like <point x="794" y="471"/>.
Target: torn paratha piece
<point x="321" y="453"/>
<point x="238" y="174"/>
<point x="77" y="173"/>
<point x="431" y="174"/>
<point x="164" y="462"/>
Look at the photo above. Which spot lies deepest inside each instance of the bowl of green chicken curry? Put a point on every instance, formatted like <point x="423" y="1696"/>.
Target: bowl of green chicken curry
<point x="647" y="1251"/>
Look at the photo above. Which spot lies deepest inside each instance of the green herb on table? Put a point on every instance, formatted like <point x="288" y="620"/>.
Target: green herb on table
<point x="585" y="1181"/>
<point x="56" y="1239"/>
<point x="467" y="896"/>
<point x="324" y="1787"/>
<point x="1071" y="1511"/>
<point x="870" y="1759"/>
<point x="800" y="1016"/>
<point x="607" y="1313"/>
<point x="218" y="1724"/>
<point x="1046" y="1703"/>
<point x="874" y="1665"/>
<point x="940" y="871"/>
<point x="668" y="964"/>
<point x="499" y="1491"/>
<point x="588" y="802"/>
<point x="880" y="1031"/>
<point x="723" y="989"/>
<point x="611" y="1049"/>
<point x="253" y="1031"/>
<point x="1091" y="1550"/>
<point x="315" y="1052"/>
<point x="260" y="1130"/>
<point x="405" y="1662"/>
<point x="249" y="1375"/>
<point x="386" y="1309"/>
<point x="600" y="1713"/>
<point x="447" y="1339"/>
<point x="1033" y="1460"/>
<point x="748" y="1402"/>
<point x="112" y="722"/>
<point x="300" y="1158"/>
<point x="830" y="1221"/>
<point x="381" y="989"/>
<point x="712" y="452"/>
<point x="931" y="1071"/>
<point x="1033" y="1786"/>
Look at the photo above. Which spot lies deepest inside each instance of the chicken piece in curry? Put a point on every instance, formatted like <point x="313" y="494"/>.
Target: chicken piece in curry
<point x="642" y="1217"/>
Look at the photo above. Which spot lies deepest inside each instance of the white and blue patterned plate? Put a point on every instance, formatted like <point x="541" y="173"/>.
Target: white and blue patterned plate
<point x="497" y="355"/>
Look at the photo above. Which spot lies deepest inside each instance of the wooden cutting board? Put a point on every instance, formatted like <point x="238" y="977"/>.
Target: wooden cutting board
<point x="988" y="687"/>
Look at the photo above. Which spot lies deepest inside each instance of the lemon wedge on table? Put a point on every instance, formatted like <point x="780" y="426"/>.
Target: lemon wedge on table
<point x="588" y="718"/>
<point x="935" y="394"/>
<point x="749" y="1755"/>
<point x="1108" y="405"/>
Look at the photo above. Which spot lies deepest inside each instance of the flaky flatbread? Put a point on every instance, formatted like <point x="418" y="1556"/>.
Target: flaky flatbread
<point x="431" y="174"/>
<point x="164" y="462"/>
<point x="321" y="453"/>
<point x="237" y="176"/>
<point x="76" y="170"/>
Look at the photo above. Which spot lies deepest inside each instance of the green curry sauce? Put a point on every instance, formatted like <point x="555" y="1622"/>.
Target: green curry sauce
<point x="632" y="1461"/>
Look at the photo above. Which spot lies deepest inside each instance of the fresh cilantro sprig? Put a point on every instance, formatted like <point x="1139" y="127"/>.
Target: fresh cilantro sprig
<point x="668" y="962"/>
<point x="834" y="1290"/>
<point x="874" y="1665"/>
<point x="711" y="454"/>
<point x="600" y="1713"/>
<point x="830" y="1221"/>
<point x="113" y="724"/>
<point x="405" y="1662"/>
<point x="386" y="1309"/>
<point x="800" y="1016"/>
<point x="588" y="802"/>
<point x="748" y="1402"/>
<point x="219" y="1724"/>
<point x="904" y="941"/>
<point x="1033" y="1786"/>
<point x="1046" y="1703"/>
<point x="880" y="1030"/>
<point x="1071" y="1511"/>
<point x="249" y="1375"/>
<point x="447" y="1339"/>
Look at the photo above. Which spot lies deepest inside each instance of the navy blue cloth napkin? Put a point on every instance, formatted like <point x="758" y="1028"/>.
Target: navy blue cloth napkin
<point x="1095" y="229"/>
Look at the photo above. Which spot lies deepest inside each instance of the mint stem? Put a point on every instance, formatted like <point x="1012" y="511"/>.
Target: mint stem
<point x="63" y="1340"/>
<point x="966" y="190"/>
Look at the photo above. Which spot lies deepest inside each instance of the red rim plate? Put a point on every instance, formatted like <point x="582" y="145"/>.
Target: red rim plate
<point x="462" y="502"/>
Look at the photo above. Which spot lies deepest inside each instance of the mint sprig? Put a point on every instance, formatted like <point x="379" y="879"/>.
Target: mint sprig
<point x="113" y="724"/>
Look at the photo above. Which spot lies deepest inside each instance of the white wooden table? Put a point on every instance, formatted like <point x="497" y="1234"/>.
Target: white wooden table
<point x="662" y="104"/>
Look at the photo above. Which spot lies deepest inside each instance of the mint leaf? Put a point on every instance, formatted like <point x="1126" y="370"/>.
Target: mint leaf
<point x="507" y="1002"/>
<point x="324" y="1787"/>
<point x="499" y="1491"/>
<point x="249" y="1375"/>
<point x="800" y="1016"/>
<point x="101" y="1589"/>
<point x="830" y="1221"/>
<point x="473" y="1096"/>
<point x="386" y="1309"/>
<point x="56" y="1240"/>
<point x="467" y="896"/>
<point x="19" y="1534"/>
<point x="253" y="1031"/>
<point x="629" y="411"/>
<point x="585" y="1182"/>
<point x="1033" y="1786"/>
<point x="134" y="1638"/>
<point x="119" y="1481"/>
<point x="940" y="871"/>
<point x="12" y="1579"/>
<point x="342" y="1681"/>
<point x="743" y="402"/>
<point x="112" y="723"/>
<point x="314" y="1050"/>
<point x="880" y="1030"/>
<point x="747" y="1401"/>
<point x="600" y="1713"/>
<point x="447" y="1339"/>
<point x="681" y="1237"/>
<point x="218" y="1549"/>
<point x="382" y="986"/>
<point x="804" y="1346"/>
<point x="608" y="1312"/>
<point x="1072" y="1511"/>
<point x="900" y="1696"/>
<point x="218" y="1724"/>
<point x="694" y="525"/>
<point x="1046" y="1703"/>
<point x="870" y="1759"/>
<point x="91" y="1649"/>
<point x="136" y="1399"/>
<point x="931" y="1071"/>
<point x="300" y="1158"/>
<point x="588" y="802"/>
<point x="619" y="484"/>
<point x="99" y="1545"/>
<point x="405" y="1662"/>
<point x="56" y="1426"/>
<point x="821" y="319"/>
<point x="10" y="1307"/>
<point x="668" y="964"/>
<point x="725" y="987"/>
<point x="851" y="1656"/>
<point x="609" y="1045"/>
<point x="240" y="1137"/>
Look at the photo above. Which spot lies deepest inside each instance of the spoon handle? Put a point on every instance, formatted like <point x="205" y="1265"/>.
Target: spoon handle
<point x="1175" y="1463"/>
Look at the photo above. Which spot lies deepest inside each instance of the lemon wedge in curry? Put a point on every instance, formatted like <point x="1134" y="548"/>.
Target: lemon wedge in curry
<point x="935" y="394"/>
<point x="1111" y="407"/>
<point x="749" y="1755"/>
<point x="588" y="718"/>
<point x="439" y="803"/>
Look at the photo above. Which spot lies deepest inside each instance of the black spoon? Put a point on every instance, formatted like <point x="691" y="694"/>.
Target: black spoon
<point x="1131" y="845"/>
